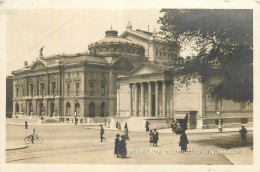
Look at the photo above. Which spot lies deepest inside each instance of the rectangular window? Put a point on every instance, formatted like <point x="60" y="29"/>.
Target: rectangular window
<point x="91" y="88"/>
<point x="53" y="88"/>
<point x="103" y="89"/>
<point x="91" y="74"/>
<point x="77" y="89"/>
<point x="68" y="89"/>
<point x="31" y="89"/>
<point x="17" y="92"/>
<point x="41" y="89"/>
<point x="23" y="91"/>
<point x="244" y="121"/>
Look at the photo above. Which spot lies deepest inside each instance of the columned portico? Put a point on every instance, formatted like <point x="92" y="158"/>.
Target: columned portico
<point x="148" y="98"/>
<point x="136" y="99"/>
<point x="156" y="99"/>
<point x="142" y="99"/>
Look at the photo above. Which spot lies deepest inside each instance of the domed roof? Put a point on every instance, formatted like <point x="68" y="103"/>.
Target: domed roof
<point x="112" y="37"/>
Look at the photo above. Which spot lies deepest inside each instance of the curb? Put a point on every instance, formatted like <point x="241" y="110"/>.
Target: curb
<point x="17" y="147"/>
<point x="187" y="132"/>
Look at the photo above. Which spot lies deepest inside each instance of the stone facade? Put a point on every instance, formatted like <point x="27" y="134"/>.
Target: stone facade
<point x="58" y="86"/>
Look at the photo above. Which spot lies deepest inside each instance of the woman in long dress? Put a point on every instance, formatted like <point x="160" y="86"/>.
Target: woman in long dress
<point x="183" y="142"/>
<point x="122" y="147"/>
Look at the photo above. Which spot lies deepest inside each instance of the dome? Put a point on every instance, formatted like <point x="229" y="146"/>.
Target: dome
<point x="112" y="45"/>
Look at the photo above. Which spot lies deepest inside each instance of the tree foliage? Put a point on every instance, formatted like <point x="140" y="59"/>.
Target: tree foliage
<point x="223" y="44"/>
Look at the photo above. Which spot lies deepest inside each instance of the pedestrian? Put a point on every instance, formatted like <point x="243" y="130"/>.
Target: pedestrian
<point x="183" y="142"/>
<point x="101" y="133"/>
<point x="81" y="121"/>
<point x="117" y="145"/>
<point x="155" y="137"/>
<point x="126" y="133"/>
<point x="125" y="125"/>
<point x="117" y="124"/>
<point x="151" y="136"/>
<point x="147" y="124"/>
<point x="33" y="136"/>
<point x="122" y="147"/>
<point x="26" y="125"/>
<point x="243" y="132"/>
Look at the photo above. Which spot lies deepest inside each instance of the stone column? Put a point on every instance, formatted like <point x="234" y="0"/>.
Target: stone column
<point x="118" y="102"/>
<point x="136" y="100"/>
<point x="156" y="99"/>
<point x="164" y="98"/>
<point x="130" y="100"/>
<point x="149" y="99"/>
<point x="142" y="99"/>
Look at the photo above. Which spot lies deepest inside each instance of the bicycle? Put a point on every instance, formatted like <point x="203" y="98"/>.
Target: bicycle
<point x="37" y="139"/>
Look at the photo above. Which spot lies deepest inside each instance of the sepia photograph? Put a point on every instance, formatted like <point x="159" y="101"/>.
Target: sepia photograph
<point x="161" y="86"/>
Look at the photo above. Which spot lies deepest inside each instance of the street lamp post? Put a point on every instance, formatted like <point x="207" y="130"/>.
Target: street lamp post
<point x="219" y="113"/>
<point x="75" y="113"/>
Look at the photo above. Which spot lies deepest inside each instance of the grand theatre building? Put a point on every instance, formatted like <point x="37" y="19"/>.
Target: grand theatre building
<point x="123" y="78"/>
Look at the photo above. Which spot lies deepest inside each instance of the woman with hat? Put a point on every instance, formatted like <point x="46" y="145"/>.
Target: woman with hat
<point x="117" y="145"/>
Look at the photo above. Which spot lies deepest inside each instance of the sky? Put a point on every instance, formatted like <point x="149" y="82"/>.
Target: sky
<point x="66" y="31"/>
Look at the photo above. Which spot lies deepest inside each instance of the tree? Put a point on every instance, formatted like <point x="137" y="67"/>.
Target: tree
<point x="222" y="46"/>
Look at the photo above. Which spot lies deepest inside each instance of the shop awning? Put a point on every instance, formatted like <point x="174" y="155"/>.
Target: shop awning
<point x="180" y="115"/>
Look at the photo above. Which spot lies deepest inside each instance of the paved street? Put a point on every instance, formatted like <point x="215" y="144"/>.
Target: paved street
<point x="78" y="144"/>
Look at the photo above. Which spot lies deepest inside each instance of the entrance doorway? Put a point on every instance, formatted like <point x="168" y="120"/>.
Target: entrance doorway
<point x="153" y="105"/>
<point x="40" y="108"/>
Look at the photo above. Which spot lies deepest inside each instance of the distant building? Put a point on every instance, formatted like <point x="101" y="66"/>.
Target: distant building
<point x="150" y="93"/>
<point x="9" y="96"/>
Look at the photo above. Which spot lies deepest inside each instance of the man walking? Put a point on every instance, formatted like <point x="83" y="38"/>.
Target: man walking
<point x="101" y="133"/>
<point x="243" y="132"/>
<point x="155" y="137"/>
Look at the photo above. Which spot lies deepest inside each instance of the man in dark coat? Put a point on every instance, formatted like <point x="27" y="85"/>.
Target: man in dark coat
<point x="147" y="126"/>
<point x="26" y="125"/>
<point x="101" y="132"/>
<point x="151" y="136"/>
<point x="183" y="142"/>
<point x="117" y="145"/>
<point x="243" y="132"/>
<point x="155" y="137"/>
<point x="122" y="147"/>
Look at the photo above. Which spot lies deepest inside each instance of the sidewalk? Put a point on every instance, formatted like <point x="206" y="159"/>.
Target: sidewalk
<point x="97" y="126"/>
<point x="60" y="124"/>
<point x="193" y="131"/>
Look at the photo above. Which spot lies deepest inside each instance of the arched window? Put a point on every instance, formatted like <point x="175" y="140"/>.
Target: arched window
<point x="68" y="106"/>
<point x="17" y="108"/>
<point x="92" y="109"/>
<point x="77" y="106"/>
